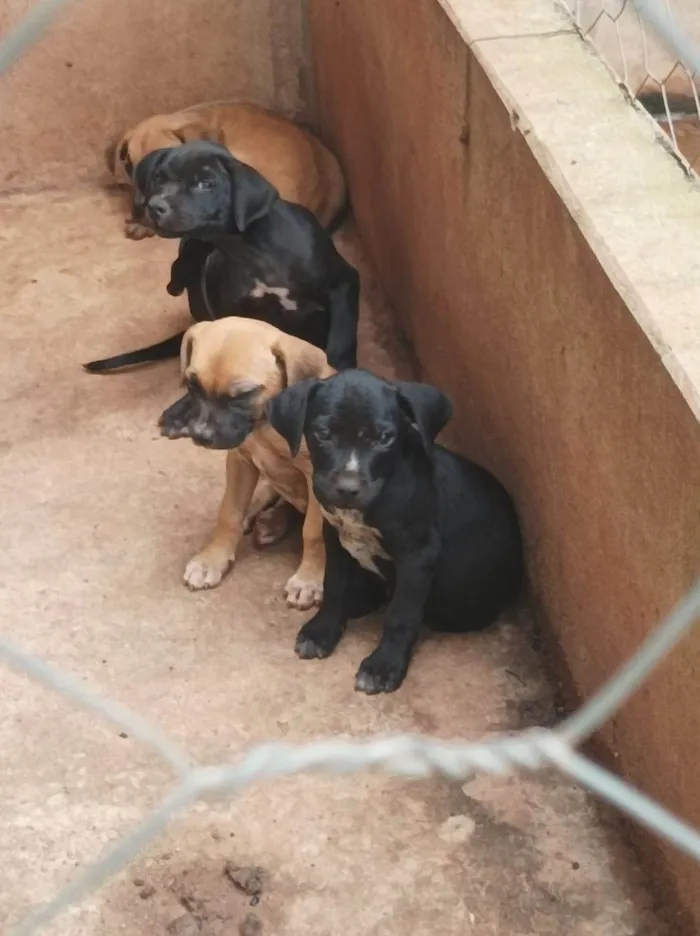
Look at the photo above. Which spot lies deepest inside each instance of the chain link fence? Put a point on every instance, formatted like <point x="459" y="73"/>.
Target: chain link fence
<point x="653" y="48"/>
<point x="644" y="71"/>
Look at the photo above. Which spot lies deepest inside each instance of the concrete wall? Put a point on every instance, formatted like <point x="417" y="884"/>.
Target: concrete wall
<point x="104" y="65"/>
<point x="556" y="386"/>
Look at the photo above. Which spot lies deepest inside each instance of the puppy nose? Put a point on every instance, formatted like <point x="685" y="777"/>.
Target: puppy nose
<point x="348" y="484"/>
<point x="202" y="433"/>
<point x="157" y="207"/>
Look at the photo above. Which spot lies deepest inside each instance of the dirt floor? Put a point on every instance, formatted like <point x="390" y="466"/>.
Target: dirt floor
<point x="99" y="518"/>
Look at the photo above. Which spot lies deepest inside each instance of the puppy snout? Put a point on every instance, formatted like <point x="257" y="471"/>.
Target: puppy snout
<point x="202" y="433"/>
<point x="348" y="484"/>
<point x="158" y="208"/>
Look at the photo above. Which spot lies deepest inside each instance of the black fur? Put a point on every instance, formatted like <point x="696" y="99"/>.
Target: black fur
<point x="447" y="527"/>
<point x="240" y="245"/>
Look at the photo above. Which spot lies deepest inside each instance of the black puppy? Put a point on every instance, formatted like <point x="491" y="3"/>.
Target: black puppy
<point x="243" y="251"/>
<point x="404" y="518"/>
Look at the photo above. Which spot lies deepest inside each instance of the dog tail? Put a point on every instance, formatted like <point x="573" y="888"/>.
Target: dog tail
<point x="161" y="351"/>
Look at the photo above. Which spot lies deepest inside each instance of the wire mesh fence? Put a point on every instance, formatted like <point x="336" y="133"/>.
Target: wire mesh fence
<point x="653" y="48"/>
<point x="658" y="63"/>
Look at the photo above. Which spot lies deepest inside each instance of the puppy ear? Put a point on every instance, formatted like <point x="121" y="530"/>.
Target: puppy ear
<point x="297" y="360"/>
<point x="252" y="194"/>
<point x="427" y="409"/>
<point x="143" y="170"/>
<point x="286" y="412"/>
<point x="186" y="349"/>
<point x="192" y="130"/>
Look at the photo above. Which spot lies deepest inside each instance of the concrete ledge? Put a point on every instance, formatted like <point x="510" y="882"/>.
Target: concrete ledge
<point x="539" y="245"/>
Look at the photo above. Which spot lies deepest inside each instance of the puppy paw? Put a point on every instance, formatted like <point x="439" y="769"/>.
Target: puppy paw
<point x="134" y="230"/>
<point x="270" y="526"/>
<point x="302" y="593"/>
<point x="204" y="571"/>
<point x="381" y="671"/>
<point x="174" y="289"/>
<point x="316" y="640"/>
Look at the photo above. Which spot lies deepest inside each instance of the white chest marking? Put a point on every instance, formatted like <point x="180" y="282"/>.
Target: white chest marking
<point x="260" y="290"/>
<point x="362" y="542"/>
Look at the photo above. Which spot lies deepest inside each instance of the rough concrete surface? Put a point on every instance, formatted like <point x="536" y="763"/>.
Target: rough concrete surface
<point x="99" y="517"/>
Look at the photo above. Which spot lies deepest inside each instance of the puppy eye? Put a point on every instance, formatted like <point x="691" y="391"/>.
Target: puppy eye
<point x="385" y="436"/>
<point x="322" y="433"/>
<point x="204" y="185"/>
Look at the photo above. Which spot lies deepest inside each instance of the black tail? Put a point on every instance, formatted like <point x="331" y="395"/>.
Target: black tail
<point x="169" y="348"/>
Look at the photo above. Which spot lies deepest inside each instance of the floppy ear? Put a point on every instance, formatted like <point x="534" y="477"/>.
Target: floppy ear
<point x="297" y="360"/>
<point x="427" y="409"/>
<point x="252" y="194"/>
<point x="186" y="348"/>
<point x="142" y="171"/>
<point x="286" y="412"/>
<point x="191" y="130"/>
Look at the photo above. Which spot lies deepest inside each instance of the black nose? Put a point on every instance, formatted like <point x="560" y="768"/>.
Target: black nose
<point x="202" y="435"/>
<point x="348" y="485"/>
<point x="157" y="208"/>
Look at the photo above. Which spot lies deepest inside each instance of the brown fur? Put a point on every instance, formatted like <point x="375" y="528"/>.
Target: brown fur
<point x="232" y="355"/>
<point x="300" y="167"/>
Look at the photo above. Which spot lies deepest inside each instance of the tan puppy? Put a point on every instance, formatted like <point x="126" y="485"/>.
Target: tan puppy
<point x="231" y="368"/>
<point x="291" y="158"/>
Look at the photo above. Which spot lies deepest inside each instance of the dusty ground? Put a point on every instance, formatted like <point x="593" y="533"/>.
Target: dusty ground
<point x="99" y="518"/>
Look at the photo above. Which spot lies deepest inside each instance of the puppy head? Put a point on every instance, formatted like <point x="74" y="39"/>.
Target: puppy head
<point x="357" y="428"/>
<point x="199" y="188"/>
<point x="230" y="369"/>
<point x="159" y="132"/>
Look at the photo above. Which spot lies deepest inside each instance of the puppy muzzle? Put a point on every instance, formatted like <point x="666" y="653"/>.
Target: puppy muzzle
<point x="346" y="490"/>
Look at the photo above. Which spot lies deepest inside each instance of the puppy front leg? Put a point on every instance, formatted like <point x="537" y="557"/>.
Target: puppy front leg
<point x="305" y="588"/>
<point x="187" y="266"/>
<point x="384" y="669"/>
<point x="319" y="637"/>
<point x="208" y="567"/>
<point x="344" y="310"/>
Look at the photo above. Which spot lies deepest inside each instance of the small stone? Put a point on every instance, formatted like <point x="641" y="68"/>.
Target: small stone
<point x="251" y="926"/>
<point x="184" y="925"/>
<point x="138" y="882"/>
<point x="123" y="734"/>
<point x="254" y="900"/>
<point x="250" y="880"/>
<point x="216" y="835"/>
<point x="147" y="892"/>
<point x="575" y="865"/>
<point x="193" y="905"/>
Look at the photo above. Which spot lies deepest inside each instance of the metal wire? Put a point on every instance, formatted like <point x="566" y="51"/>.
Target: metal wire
<point x="405" y="755"/>
<point x="29" y="30"/>
<point x="656" y="60"/>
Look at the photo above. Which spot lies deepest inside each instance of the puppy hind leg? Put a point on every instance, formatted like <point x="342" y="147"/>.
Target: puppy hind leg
<point x="268" y="515"/>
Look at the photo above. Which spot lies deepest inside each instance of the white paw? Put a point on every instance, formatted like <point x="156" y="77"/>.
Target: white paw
<point x="303" y="594"/>
<point x="203" y="573"/>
